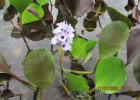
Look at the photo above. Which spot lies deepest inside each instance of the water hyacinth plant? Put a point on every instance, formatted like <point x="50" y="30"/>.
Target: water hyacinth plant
<point x="108" y="72"/>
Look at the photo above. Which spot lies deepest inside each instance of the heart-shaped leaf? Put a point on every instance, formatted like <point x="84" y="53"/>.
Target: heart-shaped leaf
<point x="133" y="45"/>
<point x="78" y="51"/>
<point x="116" y="16"/>
<point x="76" y="83"/>
<point x="112" y="37"/>
<point x="27" y="17"/>
<point x="136" y="68"/>
<point x="110" y="75"/>
<point x="20" y="5"/>
<point x="39" y="68"/>
<point x="42" y="2"/>
<point x="84" y="7"/>
<point x="90" y="45"/>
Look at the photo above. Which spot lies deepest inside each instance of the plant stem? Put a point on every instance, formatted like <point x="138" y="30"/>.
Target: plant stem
<point x="65" y="88"/>
<point x="35" y="94"/>
<point x="99" y="22"/>
<point x="71" y="96"/>
<point x="83" y="60"/>
<point x="92" y="90"/>
<point x="79" y="72"/>
<point x="75" y="33"/>
<point x="40" y="90"/>
<point x="54" y="52"/>
<point x="22" y="34"/>
<point x="21" y="23"/>
<point x="138" y="96"/>
<point x="98" y="60"/>
<point x="60" y="53"/>
<point x="46" y="24"/>
<point x="97" y="11"/>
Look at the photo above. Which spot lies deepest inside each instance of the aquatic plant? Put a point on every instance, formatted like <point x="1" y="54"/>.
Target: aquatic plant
<point x="109" y="71"/>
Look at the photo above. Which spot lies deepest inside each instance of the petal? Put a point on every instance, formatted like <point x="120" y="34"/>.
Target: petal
<point x="69" y="40"/>
<point x="62" y="25"/>
<point x="57" y="30"/>
<point x="66" y="46"/>
<point x="54" y="40"/>
<point x="70" y="28"/>
<point x="70" y="35"/>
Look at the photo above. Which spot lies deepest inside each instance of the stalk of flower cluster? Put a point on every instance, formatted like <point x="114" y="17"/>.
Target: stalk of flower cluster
<point x="63" y="37"/>
<point x="60" y="54"/>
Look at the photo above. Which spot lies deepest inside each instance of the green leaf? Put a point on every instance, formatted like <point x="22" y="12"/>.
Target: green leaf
<point x="115" y="15"/>
<point x="112" y="37"/>
<point x="20" y="5"/>
<point x="78" y="48"/>
<point x="110" y="75"/>
<point x="136" y="68"/>
<point x="42" y="2"/>
<point x="39" y="68"/>
<point x="27" y="17"/>
<point x="90" y="45"/>
<point x="76" y="83"/>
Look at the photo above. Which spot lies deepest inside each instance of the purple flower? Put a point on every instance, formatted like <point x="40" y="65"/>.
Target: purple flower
<point x="63" y="35"/>
<point x="66" y="46"/>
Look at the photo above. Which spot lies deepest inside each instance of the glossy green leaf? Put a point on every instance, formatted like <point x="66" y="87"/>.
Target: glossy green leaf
<point x="90" y="45"/>
<point x="116" y="16"/>
<point x="42" y="2"/>
<point x="136" y="68"/>
<point x="112" y="37"/>
<point x="110" y="75"/>
<point x="76" y="83"/>
<point x="20" y="5"/>
<point x="27" y="17"/>
<point x="39" y="68"/>
<point x="78" y="48"/>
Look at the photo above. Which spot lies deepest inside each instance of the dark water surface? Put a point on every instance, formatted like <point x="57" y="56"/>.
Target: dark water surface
<point x="13" y="48"/>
